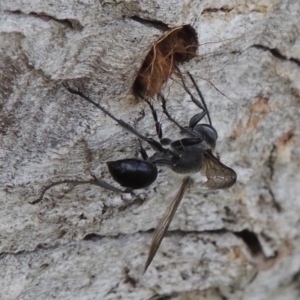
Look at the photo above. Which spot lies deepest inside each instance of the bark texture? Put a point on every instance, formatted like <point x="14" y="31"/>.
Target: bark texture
<point x="83" y="242"/>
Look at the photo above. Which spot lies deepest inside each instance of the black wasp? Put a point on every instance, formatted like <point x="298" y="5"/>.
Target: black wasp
<point x="191" y="154"/>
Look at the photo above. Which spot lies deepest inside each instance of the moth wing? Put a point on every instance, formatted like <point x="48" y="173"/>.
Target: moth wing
<point x="165" y="222"/>
<point x="219" y="176"/>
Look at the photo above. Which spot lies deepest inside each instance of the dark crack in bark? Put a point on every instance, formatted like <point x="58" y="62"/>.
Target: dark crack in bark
<point x="270" y="164"/>
<point x="71" y="23"/>
<point x="276" y="53"/>
<point x="225" y="9"/>
<point x="151" y="23"/>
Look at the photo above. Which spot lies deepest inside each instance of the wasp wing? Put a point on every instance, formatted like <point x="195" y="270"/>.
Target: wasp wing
<point x="165" y="222"/>
<point x="218" y="175"/>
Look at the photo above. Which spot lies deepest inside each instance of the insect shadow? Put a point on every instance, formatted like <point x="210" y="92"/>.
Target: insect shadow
<point x="188" y="155"/>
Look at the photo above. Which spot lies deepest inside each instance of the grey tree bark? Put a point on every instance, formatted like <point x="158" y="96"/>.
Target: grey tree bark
<point x="83" y="242"/>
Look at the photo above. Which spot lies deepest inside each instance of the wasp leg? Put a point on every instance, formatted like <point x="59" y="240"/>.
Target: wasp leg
<point x="94" y="181"/>
<point x="201" y="97"/>
<point x="143" y="151"/>
<point x="163" y="101"/>
<point x="107" y="186"/>
<point x="163" y="141"/>
<point x="184" y="130"/>
<point x="153" y="143"/>
<point x="202" y="106"/>
<point x="76" y="182"/>
<point x="157" y="124"/>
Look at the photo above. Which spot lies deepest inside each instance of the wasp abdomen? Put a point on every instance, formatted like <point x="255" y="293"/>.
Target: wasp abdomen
<point x="132" y="173"/>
